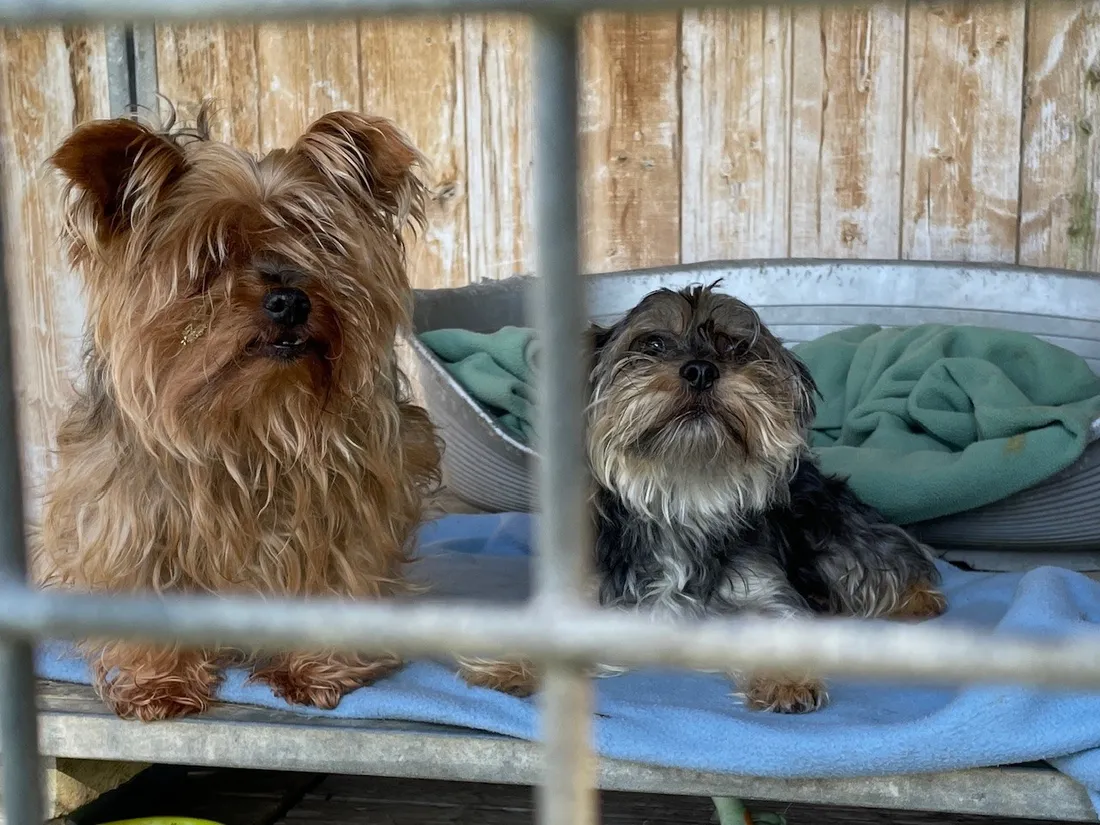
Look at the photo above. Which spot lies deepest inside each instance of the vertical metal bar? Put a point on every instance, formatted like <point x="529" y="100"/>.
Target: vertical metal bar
<point x="21" y="785"/>
<point x="567" y="795"/>
<point x="118" y="69"/>
<point x="145" y="67"/>
<point x="559" y="309"/>
<point x="19" y="767"/>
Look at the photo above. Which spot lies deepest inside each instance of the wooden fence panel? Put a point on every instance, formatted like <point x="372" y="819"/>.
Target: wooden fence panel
<point x="304" y="70"/>
<point x="50" y="78"/>
<point x="962" y="165"/>
<point x="1060" y="182"/>
<point x="846" y="148"/>
<point x="735" y="174"/>
<point x="630" y="141"/>
<point x="500" y="145"/>
<point x="412" y="73"/>
<point x="197" y="62"/>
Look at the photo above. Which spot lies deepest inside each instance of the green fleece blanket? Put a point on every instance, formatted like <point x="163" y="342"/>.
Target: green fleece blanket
<point x="496" y="368"/>
<point x="924" y="421"/>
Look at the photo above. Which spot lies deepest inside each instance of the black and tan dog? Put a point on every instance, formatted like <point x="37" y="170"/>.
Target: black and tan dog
<point x="707" y="499"/>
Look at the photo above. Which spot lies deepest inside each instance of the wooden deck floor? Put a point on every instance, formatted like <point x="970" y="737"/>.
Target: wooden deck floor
<point x="242" y="797"/>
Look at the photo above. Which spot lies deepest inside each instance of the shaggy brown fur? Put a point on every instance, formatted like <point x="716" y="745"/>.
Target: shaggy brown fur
<point x="219" y="446"/>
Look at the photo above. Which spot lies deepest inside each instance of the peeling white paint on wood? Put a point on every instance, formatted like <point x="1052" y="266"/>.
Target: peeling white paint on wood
<point x="412" y="72"/>
<point x="52" y="77"/>
<point x="736" y="109"/>
<point x="500" y="145"/>
<point x="1060" y="181"/>
<point x="962" y="166"/>
<point x="630" y="146"/>
<point x="846" y="147"/>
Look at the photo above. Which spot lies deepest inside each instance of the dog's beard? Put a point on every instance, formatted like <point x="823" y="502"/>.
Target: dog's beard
<point x="695" y="434"/>
<point x="687" y="458"/>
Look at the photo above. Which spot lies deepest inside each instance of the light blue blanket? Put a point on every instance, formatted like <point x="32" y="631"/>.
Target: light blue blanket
<point x="689" y="720"/>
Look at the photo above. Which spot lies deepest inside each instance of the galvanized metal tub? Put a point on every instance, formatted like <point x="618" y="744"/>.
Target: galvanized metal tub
<point x="800" y="301"/>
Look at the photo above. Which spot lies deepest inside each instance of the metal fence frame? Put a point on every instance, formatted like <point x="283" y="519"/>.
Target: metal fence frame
<point x="559" y="631"/>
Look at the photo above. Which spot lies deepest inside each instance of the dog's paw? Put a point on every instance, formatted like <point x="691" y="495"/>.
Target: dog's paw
<point x="152" y="707"/>
<point x="295" y="691"/>
<point x="149" y="684"/>
<point x="321" y="682"/>
<point x="920" y="601"/>
<point x="513" y="678"/>
<point x="152" y="700"/>
<point x="785" y="695"/>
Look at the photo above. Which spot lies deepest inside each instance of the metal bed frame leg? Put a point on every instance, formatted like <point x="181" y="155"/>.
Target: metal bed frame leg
<point x="567" y="795"/>
<point x="19" y="762"/>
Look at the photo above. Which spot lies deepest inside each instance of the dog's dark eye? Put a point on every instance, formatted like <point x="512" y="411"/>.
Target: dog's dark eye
<point x="654" y="344"/>
<point x="735" y="348"/>
<point x="724" y="345"/>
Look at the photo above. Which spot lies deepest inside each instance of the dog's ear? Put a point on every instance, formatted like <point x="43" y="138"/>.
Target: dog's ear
<point x="599" y="336"/>
<point x="371" y="160"/>
<point x="806" y="393"/>
<point x="596" y="338"/>
<point x="118" y="169"/>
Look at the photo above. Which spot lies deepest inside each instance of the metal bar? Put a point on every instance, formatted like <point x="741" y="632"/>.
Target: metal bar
<point x="927" y="653"/>
<point x="118" y="69"/>
<point x="145" y="67"/>
<point x="558" y="306"/>
<point x="23" y="12"/>
<point x="566" y="795"/>
<point x="19" y="768"/>
<point x="270" y="740"/>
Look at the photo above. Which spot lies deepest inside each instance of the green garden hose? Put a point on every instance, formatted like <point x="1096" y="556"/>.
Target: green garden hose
<point x="732" y="811"/>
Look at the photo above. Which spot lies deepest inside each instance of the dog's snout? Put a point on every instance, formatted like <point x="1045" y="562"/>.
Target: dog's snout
<point x="287" y="306"/>
<point x="700" y="375"/>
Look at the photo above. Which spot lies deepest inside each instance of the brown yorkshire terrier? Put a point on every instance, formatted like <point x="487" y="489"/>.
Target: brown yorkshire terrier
<point x="707" y="499"/>
<point x="243" y="427"/>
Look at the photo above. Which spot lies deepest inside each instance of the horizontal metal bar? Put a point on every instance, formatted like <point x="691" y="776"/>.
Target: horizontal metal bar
<point x="577" y="636"/>
<point x="22" y="12"/>
<point x="76" y="724"/>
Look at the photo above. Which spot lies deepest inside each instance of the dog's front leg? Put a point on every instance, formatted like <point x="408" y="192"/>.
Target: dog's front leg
<point x="321" y="679"/>
<point x="518" y="677"/>
<point x="761" y="587"/>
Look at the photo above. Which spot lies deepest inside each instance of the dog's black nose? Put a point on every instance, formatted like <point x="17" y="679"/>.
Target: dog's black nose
<point x="700" y="375"/>
<point x="286" y="306"/>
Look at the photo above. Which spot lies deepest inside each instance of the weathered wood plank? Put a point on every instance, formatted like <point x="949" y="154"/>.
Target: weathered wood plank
<point x="736" y="110"/>
<point x="87" y="49"/>
<point x="201" y="61"/>
<point x="846" y="145"/>
<point x="499" y="145"/>
<point x="304" y="71"/>
<point x="630" y="141"/>
<point x="412" y="73"/>
<point x="962" y="166"/>
<point x="50" y="78"/>
<point x="1060" y="178"/>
